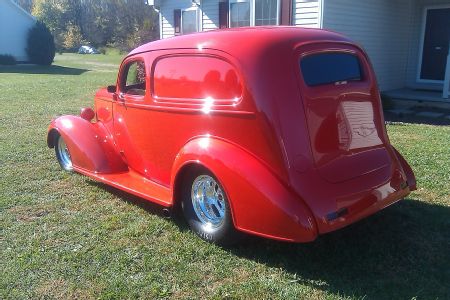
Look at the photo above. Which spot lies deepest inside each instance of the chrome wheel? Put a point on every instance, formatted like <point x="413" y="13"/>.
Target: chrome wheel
<point x="206" y="207"/>
<point x="208" y="201"/>
<point x="63" y="155"/>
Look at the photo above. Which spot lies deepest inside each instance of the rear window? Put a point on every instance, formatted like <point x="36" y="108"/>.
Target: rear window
<point x="326" y="68"/>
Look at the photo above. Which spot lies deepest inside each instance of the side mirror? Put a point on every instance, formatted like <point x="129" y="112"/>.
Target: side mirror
<point x="111" y="88"/>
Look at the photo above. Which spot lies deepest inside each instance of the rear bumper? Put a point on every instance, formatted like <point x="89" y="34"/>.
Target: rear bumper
<point x="291" y="226"/>
<point x="367" y="206"/>
<point x="402" y="181"/>
<point x="336" y="205"/>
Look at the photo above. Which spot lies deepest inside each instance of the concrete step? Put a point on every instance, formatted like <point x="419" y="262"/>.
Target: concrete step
<point x="408" y="104"/>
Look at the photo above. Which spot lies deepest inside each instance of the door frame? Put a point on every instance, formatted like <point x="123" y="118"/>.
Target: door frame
<point x="426" y="8"/>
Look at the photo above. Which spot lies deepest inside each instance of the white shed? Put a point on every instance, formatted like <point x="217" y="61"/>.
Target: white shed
<point x="14" y="25"/>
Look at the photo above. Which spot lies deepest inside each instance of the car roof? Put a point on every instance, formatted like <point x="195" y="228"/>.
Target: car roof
<point x="245" y="39"/>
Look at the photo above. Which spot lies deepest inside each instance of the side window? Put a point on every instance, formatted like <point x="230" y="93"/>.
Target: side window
<point x="195" y="77"/>
<point x="133" y="82"/>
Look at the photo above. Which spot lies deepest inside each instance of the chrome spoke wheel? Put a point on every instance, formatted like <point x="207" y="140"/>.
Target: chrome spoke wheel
<point x="63" y="155"/>
<point x="208" y="201"/>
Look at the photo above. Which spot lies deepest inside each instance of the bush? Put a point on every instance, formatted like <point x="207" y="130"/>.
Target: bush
<point x="40" y="45"/>
<point x="6" y="59"/>
<point x="102" y="50"/>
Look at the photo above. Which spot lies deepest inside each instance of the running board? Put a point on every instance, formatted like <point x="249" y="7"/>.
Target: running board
<point x="134" y="183"/>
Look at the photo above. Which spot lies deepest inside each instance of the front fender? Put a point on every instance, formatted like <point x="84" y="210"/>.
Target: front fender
<point x="90" y="145"/>
<point x="260" y="203"/>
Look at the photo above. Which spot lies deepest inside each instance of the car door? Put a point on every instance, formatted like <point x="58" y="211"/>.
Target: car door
<point x="132" y="129"/>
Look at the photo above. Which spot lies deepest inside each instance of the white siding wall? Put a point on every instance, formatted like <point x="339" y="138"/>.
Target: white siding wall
<point x="383" y="28"/>
<point x="307" y="13"/>
<point x="210" y="14"/>
<point x="166" y="11"/>
<point x="14" y="26"/>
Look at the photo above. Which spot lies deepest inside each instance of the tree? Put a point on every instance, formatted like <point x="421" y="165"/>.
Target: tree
<point x="59" y="16"/>
<point x="25" y="4"/>
<point x="120" y="23"/>
<point x="72" y="37"/>
<point x="40" y="44"/>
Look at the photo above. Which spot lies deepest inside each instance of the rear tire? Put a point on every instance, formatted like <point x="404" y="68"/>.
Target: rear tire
<point x="62" y="153"/>
<point x="206" y="208"/>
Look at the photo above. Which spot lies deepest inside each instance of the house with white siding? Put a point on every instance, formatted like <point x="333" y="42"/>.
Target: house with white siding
<point x="406" y="40"/>
<point x="15" y="23"/>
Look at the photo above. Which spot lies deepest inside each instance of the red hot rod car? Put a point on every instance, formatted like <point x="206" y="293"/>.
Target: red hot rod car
<point x="273" y="131"/>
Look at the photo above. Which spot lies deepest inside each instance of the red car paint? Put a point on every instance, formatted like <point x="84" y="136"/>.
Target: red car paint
<point x="295" y="160"/>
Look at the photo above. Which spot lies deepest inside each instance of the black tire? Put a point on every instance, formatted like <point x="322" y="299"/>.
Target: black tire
<point x="62" y="153"/>
<point x="224" y="233"/>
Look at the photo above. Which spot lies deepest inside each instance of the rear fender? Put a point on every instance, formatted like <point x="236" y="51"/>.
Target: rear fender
<point x="260" y="203"/>
<point x="410" y="177"/>
<point x="90" y="145"/>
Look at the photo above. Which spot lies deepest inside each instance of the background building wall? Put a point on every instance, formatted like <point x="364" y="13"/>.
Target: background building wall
<point x="14" y="26"/>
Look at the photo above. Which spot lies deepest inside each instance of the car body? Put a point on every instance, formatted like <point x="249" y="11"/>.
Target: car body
<point x="286" y="122"/>
<point x="87" y="50"/>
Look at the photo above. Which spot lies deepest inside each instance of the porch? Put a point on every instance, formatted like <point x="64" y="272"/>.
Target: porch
<point x="410" y="97"/>
<point x="428" y="78"/>
<point x="410" y="105"/>
<point x="426" y="81"/>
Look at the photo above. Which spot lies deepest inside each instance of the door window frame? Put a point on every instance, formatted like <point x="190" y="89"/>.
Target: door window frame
<point x="121" y="81"/>
<point x="422" y="42"/>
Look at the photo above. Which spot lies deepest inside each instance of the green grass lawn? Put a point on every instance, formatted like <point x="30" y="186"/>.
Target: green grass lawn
<point x="66" y="236"/>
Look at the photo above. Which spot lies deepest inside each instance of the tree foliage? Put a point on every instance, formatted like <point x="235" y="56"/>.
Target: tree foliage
<point x="120" y="23"/>
<point x="40" y="44"/>
<point x="25" y="4"/>
<point x="72" y="37"/>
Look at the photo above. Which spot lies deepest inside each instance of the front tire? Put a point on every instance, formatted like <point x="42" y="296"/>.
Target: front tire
<point x="206" y="208"/>
<point x="63" y="154"/>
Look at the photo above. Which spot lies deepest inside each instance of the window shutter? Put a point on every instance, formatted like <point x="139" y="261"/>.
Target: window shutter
<point x="177" y="21"/>
<point x="223" y="14"/>
<point x="286" y="12"/>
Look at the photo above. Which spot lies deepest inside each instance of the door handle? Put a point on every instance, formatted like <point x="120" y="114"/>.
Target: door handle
<point x="121" y="97"/>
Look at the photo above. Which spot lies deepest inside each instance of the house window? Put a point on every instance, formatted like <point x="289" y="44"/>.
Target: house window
<point x="239" y="14"/>
<point x="189" y="20"/>
<point x="254" y="12"/>
<point x="266" y="12"/>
